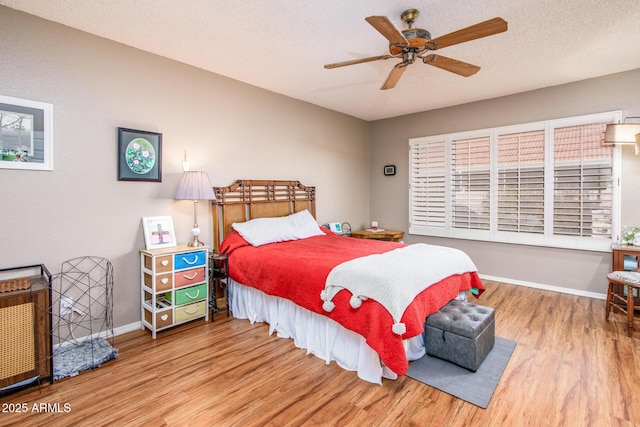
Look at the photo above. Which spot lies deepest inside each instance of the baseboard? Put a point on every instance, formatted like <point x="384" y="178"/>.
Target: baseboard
<point x="545" y="287"/>
<point x="102" y="334"/>
<point x="135" y="326"/>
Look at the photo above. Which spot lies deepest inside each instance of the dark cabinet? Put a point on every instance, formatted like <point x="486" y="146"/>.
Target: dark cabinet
<point x="25" y="327"/>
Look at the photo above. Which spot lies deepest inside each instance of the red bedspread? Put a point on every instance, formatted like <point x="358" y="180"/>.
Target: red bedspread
<point x="297" y="270"/>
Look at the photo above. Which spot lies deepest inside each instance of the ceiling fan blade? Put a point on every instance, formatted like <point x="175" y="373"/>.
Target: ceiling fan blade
<point x="388" y="30"/>
<point x="394" y="76"/>
<point x="461" y="68"/>
<point x="356" y="61"/>
<point x="483" y="29"/>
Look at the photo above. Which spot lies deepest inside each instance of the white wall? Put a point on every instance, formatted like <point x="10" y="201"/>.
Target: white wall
<point x="581" y="271"/>
<point x="230" y="130"/>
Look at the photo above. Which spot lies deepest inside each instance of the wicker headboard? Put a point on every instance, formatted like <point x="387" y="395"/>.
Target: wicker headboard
<point x="248" y="199"/>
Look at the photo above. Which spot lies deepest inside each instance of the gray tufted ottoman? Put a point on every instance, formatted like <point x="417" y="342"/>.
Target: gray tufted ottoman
<point x="461" y="333"/>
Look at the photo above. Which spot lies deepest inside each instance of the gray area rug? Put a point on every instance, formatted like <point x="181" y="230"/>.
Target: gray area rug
<point x="474" y="387"/>
<point x="73" y="359"/>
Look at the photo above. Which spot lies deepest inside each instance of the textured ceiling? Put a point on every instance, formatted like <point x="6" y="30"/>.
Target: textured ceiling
<point x="282" y="45"/>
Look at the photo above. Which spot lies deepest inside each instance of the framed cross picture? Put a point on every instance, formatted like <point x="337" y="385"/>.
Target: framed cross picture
<point x="158" y="232"/>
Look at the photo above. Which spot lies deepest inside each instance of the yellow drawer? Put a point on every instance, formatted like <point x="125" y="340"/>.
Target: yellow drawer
<point x="191" y="311"/>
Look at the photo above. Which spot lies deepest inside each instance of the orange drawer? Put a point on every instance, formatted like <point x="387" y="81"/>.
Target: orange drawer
<point x="164" y="282"/>
<point x="163" y="318"/>
<point x="189" y="277"/>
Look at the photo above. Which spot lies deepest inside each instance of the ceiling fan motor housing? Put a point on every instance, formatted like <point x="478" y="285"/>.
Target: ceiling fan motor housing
<point x="417" y="38"/>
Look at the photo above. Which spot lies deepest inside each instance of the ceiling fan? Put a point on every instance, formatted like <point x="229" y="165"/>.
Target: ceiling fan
<point x="415" y="43"/>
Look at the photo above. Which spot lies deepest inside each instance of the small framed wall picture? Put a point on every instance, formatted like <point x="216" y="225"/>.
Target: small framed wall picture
<point x="390" y="170"/>
<point x="26" y="135"/>
<point x="158" y="232"/>
<point x="139" y="155"/>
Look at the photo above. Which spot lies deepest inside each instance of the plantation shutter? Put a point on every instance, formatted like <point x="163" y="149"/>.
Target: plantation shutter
<point x="582" y="191"/>
<point x="427" y="184"/>
<point x="545" y="183"/>
<point x="470" y="183"/>
<point x="521" y="182"/>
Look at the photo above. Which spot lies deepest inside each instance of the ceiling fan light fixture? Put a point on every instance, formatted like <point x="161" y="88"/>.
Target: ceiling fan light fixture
<point x="409" y="57"/>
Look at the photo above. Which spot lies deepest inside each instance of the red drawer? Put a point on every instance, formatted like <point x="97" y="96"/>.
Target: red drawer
<point x="189" y="277"/>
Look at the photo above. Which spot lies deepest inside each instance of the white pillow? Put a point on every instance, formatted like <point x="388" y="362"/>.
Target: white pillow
<point x="261" y="231"/>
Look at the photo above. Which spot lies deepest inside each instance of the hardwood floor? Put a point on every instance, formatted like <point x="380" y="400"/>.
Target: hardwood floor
<point x="569" y="368"/>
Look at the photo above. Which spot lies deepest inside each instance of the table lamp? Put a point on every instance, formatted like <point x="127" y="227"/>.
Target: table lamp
<point x="195" y="185"/>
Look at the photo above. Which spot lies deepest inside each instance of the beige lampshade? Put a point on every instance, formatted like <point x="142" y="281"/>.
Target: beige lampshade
<point x="195" y="185"/>
<point x="622" y="133"/>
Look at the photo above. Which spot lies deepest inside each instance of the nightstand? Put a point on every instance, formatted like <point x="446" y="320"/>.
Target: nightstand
<point x="387" y="235"/>
<point x="218" y="275"/>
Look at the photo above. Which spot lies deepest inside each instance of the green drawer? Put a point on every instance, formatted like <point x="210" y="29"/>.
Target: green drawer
<point x="190" y="294"/>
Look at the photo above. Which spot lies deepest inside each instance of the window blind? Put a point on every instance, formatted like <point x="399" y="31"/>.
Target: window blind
<point x="470" y="183"/>
<point x="521" y="182"/>
<point x="428" y="184"/>
<point x="582" y="190"/>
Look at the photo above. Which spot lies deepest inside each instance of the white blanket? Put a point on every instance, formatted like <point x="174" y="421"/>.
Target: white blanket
<point x="395" y="278"/>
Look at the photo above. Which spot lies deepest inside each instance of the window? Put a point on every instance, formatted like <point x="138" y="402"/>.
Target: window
<point x="545" y="183"/>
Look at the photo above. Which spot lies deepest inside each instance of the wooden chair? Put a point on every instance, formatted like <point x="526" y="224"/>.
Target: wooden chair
<point x="621" y="282"/>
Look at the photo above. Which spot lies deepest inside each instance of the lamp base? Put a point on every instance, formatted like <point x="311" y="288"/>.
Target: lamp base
<point x="195" y="243"/>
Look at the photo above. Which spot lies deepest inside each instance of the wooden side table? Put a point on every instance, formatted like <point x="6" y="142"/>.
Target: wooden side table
<point x="626" y="257"/>
<point x="621" y="253"/>
<point x="387" y="235"/>
<point x="218" y="275"/>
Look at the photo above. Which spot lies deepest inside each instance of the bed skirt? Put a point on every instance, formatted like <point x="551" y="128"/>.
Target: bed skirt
<point x="317" y="334"/>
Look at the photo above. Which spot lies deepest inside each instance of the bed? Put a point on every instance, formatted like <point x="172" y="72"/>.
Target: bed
<point x="286" y="283"/>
